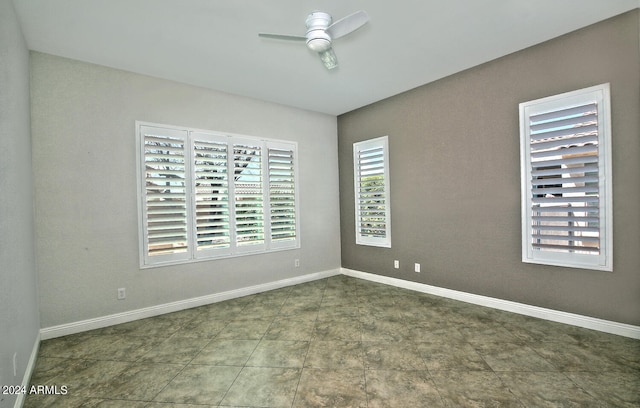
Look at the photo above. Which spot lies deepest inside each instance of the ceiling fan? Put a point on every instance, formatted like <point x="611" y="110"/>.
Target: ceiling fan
<point x="321" y="32"/>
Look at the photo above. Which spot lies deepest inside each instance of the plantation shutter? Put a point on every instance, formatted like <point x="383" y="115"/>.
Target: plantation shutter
<point x="372" y="192"/>
<point x="165" y="193"/>
<point x="248" y="195"/>
<point x="205" y="195"/>
<point x="282" y="195"/>
<point x="211" y="193"/>
<point x="566" y="184"/>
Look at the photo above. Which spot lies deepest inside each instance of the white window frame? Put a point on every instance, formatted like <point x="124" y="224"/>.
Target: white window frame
<point x="286" y="185"/>
<point x="554" y="254"/>
<point x="383" y="237"/>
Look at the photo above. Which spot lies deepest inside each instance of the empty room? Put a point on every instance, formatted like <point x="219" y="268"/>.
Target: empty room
<point x="216" y="203"/>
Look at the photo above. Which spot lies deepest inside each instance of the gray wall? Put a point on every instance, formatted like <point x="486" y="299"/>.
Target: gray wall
<point x="455" y="175"/>
<point x="86" y="199"/>
<point x="19" y="320"/>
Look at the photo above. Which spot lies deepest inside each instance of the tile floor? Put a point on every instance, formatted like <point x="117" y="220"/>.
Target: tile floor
<point x="340" y="342"/>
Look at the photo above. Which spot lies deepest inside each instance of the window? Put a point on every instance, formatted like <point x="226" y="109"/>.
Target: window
<point x="372" y="201"/>
<point x="207" y="195"/>
<point x="566" y="179"/>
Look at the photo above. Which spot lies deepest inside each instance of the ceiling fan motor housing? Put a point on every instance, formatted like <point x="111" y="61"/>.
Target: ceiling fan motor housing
<point x="317" y="38"/>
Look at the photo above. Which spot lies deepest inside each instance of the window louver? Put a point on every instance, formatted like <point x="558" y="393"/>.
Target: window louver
<point x="371" y="192"/>
<point x="564" y="177"/>
<point x="206" y="195"/>
<point x="566" y="214"/>
<point x="282" y="195"/>
<point x="165" y="194"/>
<point x="211" y="195"/>
<point x="249" y="200"/>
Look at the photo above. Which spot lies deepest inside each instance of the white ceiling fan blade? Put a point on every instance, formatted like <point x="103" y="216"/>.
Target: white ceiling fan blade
<point x="329" y="58"/>
<point x="283" y="37"/>
<point x="347" y="24"/>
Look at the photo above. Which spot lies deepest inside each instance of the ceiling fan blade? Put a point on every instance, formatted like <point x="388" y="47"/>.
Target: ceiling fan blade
<point x="283" y="37"/>
<point x="347" y="24"/>
<point x="329" y="58"/>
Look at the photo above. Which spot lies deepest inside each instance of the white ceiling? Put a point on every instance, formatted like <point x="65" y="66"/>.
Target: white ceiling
<point x="215" y="43"/>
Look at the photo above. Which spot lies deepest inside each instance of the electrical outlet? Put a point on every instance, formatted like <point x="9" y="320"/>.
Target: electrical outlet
<point x="396" y="264"/>
<point x="296" y="263"/>
<point x="122" y="293"/>
<point x="417" y="267"/>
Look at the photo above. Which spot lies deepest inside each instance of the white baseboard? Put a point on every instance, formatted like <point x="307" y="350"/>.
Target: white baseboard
<point x="593" y="323"/>
<point x="26" y="378"/>
<point x="125" y="317"/>
<point x="587" y="322"/>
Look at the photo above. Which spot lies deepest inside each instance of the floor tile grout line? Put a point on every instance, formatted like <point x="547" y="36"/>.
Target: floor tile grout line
<point x="362" y="351"/>
<point x="182" y="325"/>
<point x="244" y="365"/>
<point x="181" y="370"/>
<point x="275" y="317"/>
<point x="611" y="363"/>
<point x="311" y="338"/>
<point x="210" y="340"/>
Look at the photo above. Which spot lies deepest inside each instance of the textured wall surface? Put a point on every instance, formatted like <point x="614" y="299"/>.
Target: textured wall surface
<point x="83" y="124"/>
<point x="19" y="319"/>
<point x="455" y="175"/>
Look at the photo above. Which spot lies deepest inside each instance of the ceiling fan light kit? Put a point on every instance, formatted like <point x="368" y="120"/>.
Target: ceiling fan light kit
<point x="321" y="33"/>
<point x="319" y="43"/>
<point x="317" y="38"/>
<point x="329" y="59"/>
